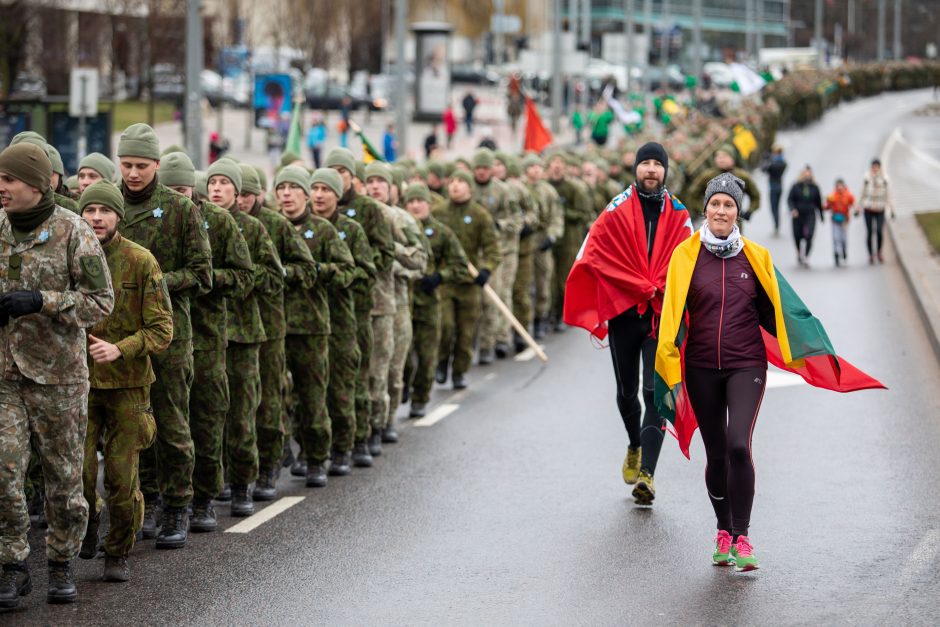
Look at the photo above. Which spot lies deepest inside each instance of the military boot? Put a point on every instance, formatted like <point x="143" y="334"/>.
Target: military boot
<point x="203" y="519"/>
<point x="115" y="569"/>
<point x="15" y="582"/>
<point x="61" y="584"/>
<point x="266" y="485"/>
<point x="288" y="460"/>
<point x="174" y="528"/>
<point x="242" y="505"/>
<point x="441" y="375"/>
<point x="486" y="357"/>
<point x="341" y="463"/>
<point x="90" y="543"/>
<point x="299" y="468"/>
<point x="316" y="475"/>
<point x="375" y="442"/>
<point x="226" y="494"/>
<point x="151" y="514"/>
<point x="37" y="509"/>
<point x="460" y="381"/>
<point x="502" y="350"/>
<point x="418" y="410"/>
<point x="361" y="457"/>
<point x="539" y="329"/>
<point x="405" y="393"/>
<point x="518" y="343"/>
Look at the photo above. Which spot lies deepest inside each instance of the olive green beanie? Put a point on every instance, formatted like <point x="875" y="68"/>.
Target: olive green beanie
<point x="250" y="182"/>
<point x="103" y="193"/>
<point x="29" y="163"/>
<point x="100" y="164"/>
<point x="262" y="179"/>
<point x="139" y="140"/>
<point x="55" y="159"/>
<point x="483" y="158"/>
<point x="329" y="177"/>
<point x="229" y="169"/>
<point x="437" y="168"/>
<point x="341" y="157"/>
<point x="379" y="169"/>
<point x="177" y="170"/>
<point x="463" y="175"/>
<point x="418" y="191"/>
<point x="202" y="183"/>
<point x="294" y="174"/>
<point x="30" y="137"/>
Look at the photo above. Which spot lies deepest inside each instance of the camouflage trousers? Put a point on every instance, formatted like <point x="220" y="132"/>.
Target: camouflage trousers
<point x="565" y="251"/>
<point x="341" y="393"/>
<point x="363" y="394"/>
<point x="241" y="441"/>
<point x="426" y="327"/>
<point x="55" y="416"/>
<point x="396" y="369"/>
<point x="167" y="467"/>
<point x="383" y="344"/>
<point x="308" y="359"/>
<point x="494" y="326"/>
<point x="270" y="424"/>
<point x="460" y="313"/>
<point x="123" y="418"/>
<point x="544" y="282"/>
<point x="522" y="289"/>
<point x="208" y="405"/>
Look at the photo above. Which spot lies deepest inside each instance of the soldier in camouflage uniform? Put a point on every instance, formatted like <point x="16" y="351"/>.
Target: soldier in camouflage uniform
<point x="308" y="323"/>
<point x="368" y="213"/>
<point x="300" y="272"/>
<point x="437" y="182"/>
<point x="60" y="194"/>
<point x="210" y="396"/>
<point x="724" y="162"/>
<point x="169" y="226"/>
<point x="590" y="174"/>
<point x="577" y="212"/>
<point x="550" y="226"/>
<point x="503" y="206"/>
<point x="54" y="283"/>
<point x="245" y="336"/>
<point x="461" y="305"/>
<point x="120" y="374"/>
<point x="93" y="168"/>
<point x="325" y="192"/>
<point x="447" y="265"/>
<point x="409" y="254"/>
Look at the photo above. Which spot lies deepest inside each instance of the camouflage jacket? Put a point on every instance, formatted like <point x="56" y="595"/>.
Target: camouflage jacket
<point x="141" y="322"/>
<point x="475" y="231"/>
<point x="300" y="270"/>
<point x="67" y="203"/>
<point x="414" y="258"/>
<point x="368" y="213"/>
<point x="501" y="202"/>
<point x="383" y="290"/>
<point x="170" y="227"/>
<point x="307" y="308"/>
<point x="447" y="259"/>
<point x="338" y="270"/>
<point x="577" y="208"/>
<point x="354" y="236"/>
<point x="64" y="261"/>
<point x="245" y="324"/>
<point x="231" y="278"/>
<point x="551" y="221"/>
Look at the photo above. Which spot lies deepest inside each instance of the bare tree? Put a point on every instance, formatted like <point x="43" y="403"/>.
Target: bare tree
<point x="18" y="18"/>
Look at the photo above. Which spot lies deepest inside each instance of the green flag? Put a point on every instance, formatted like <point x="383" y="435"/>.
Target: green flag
<point x="294" y="135"/>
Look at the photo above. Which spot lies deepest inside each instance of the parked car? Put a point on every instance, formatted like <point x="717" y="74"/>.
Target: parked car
<point x="469" y="73"/>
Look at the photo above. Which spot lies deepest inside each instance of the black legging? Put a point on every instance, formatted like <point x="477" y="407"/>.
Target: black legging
<point x="726" y="403"/>
<point x="804" y="226"/>
<point x="629" y="340"/>
<point x="775" y="194"/>
<point x="874" y="226"/>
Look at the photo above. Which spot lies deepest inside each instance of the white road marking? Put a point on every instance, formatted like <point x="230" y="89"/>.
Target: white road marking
<point x="437" y="415"/>
<point x="528" y="354"/>
<point x="490" y="376"/>
<point x="269" y="512"/>
<point x="783" y="379"/>
<point x="922" y="557"/>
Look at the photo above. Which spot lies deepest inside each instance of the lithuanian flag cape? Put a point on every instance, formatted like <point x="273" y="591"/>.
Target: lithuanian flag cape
<point x="800" y="346"/>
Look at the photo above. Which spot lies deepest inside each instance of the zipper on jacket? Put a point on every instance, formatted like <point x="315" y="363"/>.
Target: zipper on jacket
<point x="721" y="312"/>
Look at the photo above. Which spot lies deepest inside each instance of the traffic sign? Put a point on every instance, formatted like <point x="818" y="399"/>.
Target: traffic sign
<point x="83" y="93"/>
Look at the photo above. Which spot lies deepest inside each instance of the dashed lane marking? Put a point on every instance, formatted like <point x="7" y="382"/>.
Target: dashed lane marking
<point x="921" y="558"/>
<point x="490" y="376"/>
<point x="437" y="415"/>
<point x="269" y="512"/>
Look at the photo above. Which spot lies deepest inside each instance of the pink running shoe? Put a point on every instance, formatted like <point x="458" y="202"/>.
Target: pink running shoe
<point x="722" y="554"/>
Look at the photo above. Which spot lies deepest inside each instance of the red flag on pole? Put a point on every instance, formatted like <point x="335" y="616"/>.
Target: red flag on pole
<point x="537" y="137"/>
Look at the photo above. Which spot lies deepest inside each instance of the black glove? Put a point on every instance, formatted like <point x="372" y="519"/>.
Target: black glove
<point x="482" y="277"/>
<point x="746" y="216"/>
<point x="430" y="282"/>
<point x="16" y="304"/>
<point x="526" y="231"/>
<point x="547" y="244"/>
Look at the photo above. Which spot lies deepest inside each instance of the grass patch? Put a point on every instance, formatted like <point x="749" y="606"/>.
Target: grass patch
<point x="930" y="223"/>
<point x="133" y="111"/>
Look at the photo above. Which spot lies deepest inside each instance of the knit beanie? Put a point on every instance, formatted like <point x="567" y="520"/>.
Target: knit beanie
<point x="360" y="172"/>
<point x="421" y="171"/>
<point x="289" y="157"/>
<point x="228" y="169"/>
<point x="341" y="157"/>
<point x="100" y="164"/>
<point x="437" y="168"/>
<point x="726" y="183"/>
<point x="329" y="177"/>
<point x="173" y="148"/>
<point x="139" y="140"/>
<point x="463" y="175"/>
<point x="398" y="175"/>
<point x="530" y="159"/>
<point x="55" y="159"/>
<point x="379" y="169"/>
<point x="29" y="163"/>
<point x="262" y="179"/>
<point x="71" y="183"/>
<point x="177" y="170"/>
<point x="653" y="150"/>
<point x="513" y="168"/>
<point x="31" y="137"/>
<point x="462" y="160"/>
<point x="250" y="182"/>
<point x="483" y="158"/>
<point x="202" y="183"/>
<point x="294" y="174"/>
<point x="419" y="191"/>
<point x="103" y="193"/>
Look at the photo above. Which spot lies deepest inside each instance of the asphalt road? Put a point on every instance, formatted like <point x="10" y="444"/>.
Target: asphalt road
<point x="511" y="509"/>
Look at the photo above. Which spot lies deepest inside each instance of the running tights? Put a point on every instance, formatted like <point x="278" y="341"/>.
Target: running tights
<point x="726" y="403"/>
<point x="874" y="227"/>
<point x="630" y="339"/>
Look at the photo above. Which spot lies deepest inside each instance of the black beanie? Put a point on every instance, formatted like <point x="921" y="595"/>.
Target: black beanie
<point x="652" y="150"/>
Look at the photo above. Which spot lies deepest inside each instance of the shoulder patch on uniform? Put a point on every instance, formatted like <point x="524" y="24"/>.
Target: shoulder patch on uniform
<point x="43" y="236"/>
<point x="158" y="212"/>
<point x="93" y="271"/>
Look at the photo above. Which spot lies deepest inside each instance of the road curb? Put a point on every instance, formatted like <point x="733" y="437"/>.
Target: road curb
<point x="921" y="268"/>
